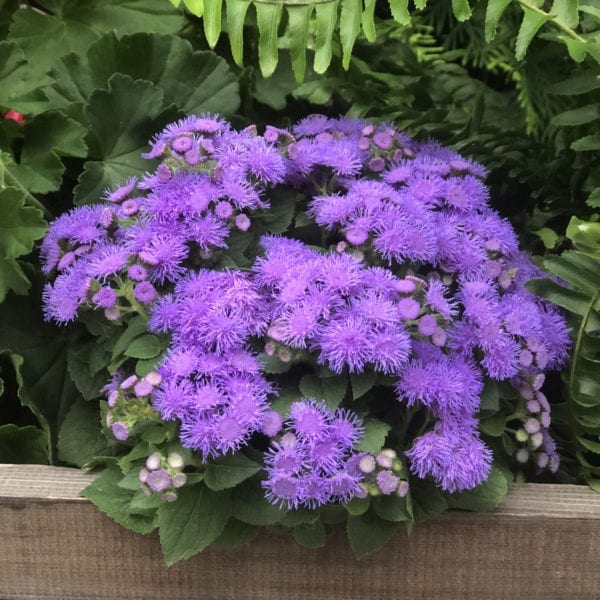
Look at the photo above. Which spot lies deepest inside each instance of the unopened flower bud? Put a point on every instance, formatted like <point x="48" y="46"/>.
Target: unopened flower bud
<point x="175" y="460"/>
<point x="522" y="455"/>
<point x="169" y="496"/>
<point x="153" y="462"/>
<point x="521" y="435"/>
<point x="179" y="480"/>
<point x="367" y="464"/>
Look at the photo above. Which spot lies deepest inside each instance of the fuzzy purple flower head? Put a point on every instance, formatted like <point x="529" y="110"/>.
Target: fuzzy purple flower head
<point x="339" y="261"/>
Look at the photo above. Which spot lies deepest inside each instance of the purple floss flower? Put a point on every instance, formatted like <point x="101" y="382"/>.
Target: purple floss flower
<point x="242" y="222"/>
<point x="137" y="273"/>
<point x="120" y="430"/>
<point x="387" y="482"/>
<point x="283" y="490"/>
<point x="382" y="140"/>
<point x="427" y="325"/>
<point x="62" y="299"/>
<point x="105" y="297"/>
<point x="390" y="348"/>
<point x="106" y="260"/>
<point x="315" y="464"/>
<point x="343" y="487"/>
<point x="181" y="144"/>
<point x="143" y="388"/>
<point x="122" y="192"/>
<point x="272" y="423"/>
<point x="144" y="292"/>
<point x="129" y="208"/>
<point x="408" y="308"/>
<point x="164" y="253"/>
<point x="158" y="481"/>
<point x="344" y="343"/>
<point x="223" y="210"/>
<point x="308" y="419"/>
<point x="456" y="459"/>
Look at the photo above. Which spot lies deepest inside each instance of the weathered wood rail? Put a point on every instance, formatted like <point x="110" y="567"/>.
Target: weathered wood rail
<point x="543" y="542"/>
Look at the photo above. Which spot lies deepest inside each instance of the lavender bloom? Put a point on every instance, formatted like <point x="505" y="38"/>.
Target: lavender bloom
<point x="316" y="469"/>
<point x="456" y="459"/>
<point x="426" y="285"/>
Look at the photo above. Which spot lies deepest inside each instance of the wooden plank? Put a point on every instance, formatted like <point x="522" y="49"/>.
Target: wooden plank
<point x="542" y="543"/>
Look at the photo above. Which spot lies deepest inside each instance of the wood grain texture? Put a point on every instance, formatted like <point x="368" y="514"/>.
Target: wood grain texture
<point x="542" y="543"/>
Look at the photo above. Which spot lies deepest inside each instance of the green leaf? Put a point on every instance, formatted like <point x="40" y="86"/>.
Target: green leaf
<point x="399" y="10"/>
<point x="493" y="12"/>
<point x="23" y="445"/>
<point x="329" y="389"/>
<point x="195" y="82"/>
<point x="587" y="143"/>
<point x="83" y="359"/>
<point x="573" y="301"/>
<point x="281" y="212"/>
<point x="427" y="500"/>
<point x="67" y="26"/>
<point x="236" y="533"/>
<point x="565" y="12"/>
<point x="368" y="533"/>
<point x="191" y="523"/>
<point x="493" y="425"/>
<point x="135" y="327"/>
<point x="250" y="505"/>
<point x="116" y="151"/>
<point x="114" y="501"/>
<point x="228" y="471"/>
<point x="490" y="397"/>
<point x="46" y="138"/>
<point x="236" y="16"/>
<point x="12" y="278"/>
<point x="585" y="236"/>
<point x="19" y="88"/>
<point x="310" y="535"/>
<point x="358" y="506"/>
<point x="212" y="21"/>
<point x="80" y="437"/>
<point x="548" y="236"/>
<point x="326" y="13"/>
<point x="461" y="9"/>
<point x="581" y="271"/>
<point x="20" y="227"/>
<point x="581" y="83"/>
<point x="350" y="17"/>
<point x="392" y="508"/>
<point x="38" y="353"/>
<point x="374" y="436"/>
<point x="300" y="516"/>
<point x="268" y="17"/>
<point x="368" y="21"/>
<point x="362" y="383"/>
<point x="145" y="346"/>
<point x="298" y="19"/>
<point x="578" y="116"/>
<point x="196" y="7"/>
<point x="532" y="21"/>
<point x="484" y="497"/>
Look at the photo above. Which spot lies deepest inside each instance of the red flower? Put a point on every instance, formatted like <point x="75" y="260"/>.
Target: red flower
<point x="14" y="115"/>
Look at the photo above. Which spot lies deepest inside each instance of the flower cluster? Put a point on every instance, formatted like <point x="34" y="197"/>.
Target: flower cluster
<point x="312" y="463"/>
<point x="163" y="475"/>
<point x="348" y="315"/>
<point x="383" y="474"/>
<point x="415" y="279"/>
<point x="211" y="381"/>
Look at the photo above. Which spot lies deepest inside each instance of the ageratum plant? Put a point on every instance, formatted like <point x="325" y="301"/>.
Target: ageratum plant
<point x="304" y="327"/>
